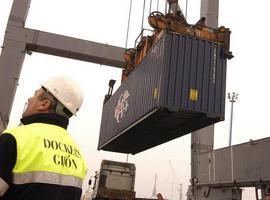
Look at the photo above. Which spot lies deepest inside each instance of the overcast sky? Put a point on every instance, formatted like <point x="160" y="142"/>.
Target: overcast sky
<point x="106" y="22"/>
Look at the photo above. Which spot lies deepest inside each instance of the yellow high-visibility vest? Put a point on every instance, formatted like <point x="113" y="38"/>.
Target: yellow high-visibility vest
<point x="47" y="154"/>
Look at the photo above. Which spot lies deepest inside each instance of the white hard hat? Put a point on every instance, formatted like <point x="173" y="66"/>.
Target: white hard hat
<point x="66" y="91"/>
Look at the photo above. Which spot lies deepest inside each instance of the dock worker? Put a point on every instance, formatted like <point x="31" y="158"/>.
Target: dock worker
<point x="38" y="159"/>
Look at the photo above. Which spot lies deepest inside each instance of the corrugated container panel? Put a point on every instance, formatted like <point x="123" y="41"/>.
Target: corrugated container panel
<point x="179" y="87"/>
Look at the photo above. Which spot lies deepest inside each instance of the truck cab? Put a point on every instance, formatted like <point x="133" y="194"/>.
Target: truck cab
<point x="115" y="180"/>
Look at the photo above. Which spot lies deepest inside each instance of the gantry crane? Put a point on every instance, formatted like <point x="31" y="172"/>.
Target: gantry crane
<point x="215" y="174"/>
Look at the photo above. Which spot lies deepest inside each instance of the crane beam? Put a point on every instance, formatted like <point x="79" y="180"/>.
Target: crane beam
<point x="68" y="47"/>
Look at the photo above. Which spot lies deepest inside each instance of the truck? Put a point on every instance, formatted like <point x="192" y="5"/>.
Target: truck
<point x="114" y="181"/>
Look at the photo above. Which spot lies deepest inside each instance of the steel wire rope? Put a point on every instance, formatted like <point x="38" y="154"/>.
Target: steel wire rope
<point x="165" y="11"/>
<point x="130" y="6"/>
<point x="150" y="7"/>
<point x="186" y="9"/>
<point x="143" y="16"/>
<point x="129" y="14"/>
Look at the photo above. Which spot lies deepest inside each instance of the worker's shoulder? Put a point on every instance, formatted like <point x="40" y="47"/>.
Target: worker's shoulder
<point x="20" y="128"/>
<point x="7" y="139"/>
<point x="14" y="129"/>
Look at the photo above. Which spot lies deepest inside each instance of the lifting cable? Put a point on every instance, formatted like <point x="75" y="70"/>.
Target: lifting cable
<point x="186" y="9"/>
<point x="143" y="15"/>
<point x="150" y="7"/>
<point x="130" y="5"/>
<point x="165" y="12"/>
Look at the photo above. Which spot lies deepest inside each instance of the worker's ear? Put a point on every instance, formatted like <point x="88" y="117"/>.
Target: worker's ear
<point x="44" y="105"/>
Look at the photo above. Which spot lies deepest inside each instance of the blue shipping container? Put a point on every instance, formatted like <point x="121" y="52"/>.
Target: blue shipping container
<point x="179" y="87"/>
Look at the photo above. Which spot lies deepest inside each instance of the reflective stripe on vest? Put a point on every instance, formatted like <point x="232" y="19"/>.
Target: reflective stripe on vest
<point x="3" y="187"/>
<point x="47" y="177"/>
<point x="47" y="154"/>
